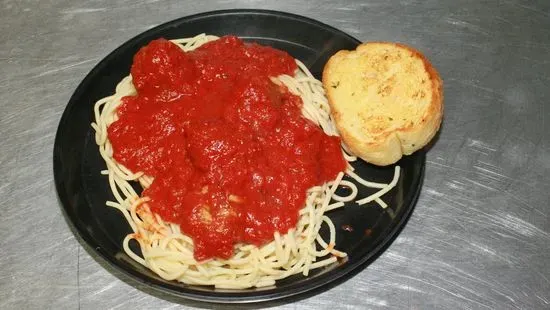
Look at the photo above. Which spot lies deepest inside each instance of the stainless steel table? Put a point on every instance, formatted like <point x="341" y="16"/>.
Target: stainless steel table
<point x="478" y="238"/>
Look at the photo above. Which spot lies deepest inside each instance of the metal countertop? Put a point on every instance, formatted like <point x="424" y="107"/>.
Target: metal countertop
<point x="478" y="238"/>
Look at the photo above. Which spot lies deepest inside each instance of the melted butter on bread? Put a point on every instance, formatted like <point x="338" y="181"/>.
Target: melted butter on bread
<point x="386" y="100"/>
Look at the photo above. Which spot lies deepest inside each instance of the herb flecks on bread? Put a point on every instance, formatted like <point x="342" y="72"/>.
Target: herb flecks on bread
<point x="386" y="100"/>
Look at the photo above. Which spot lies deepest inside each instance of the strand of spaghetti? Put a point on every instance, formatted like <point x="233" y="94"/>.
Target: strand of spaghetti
<point x="304" y="69"/>
<point x="364" y="182"/>
<point x="291" y="241"/>
<point x="126" y="248"/>
<point x="145" y="181"/>
<point x="310" y="225"/>
<point x="383" y="190"/>
<point x="108" y="115"/>
<point x="347" y="156"/>
<point x="326" y="248"/>
<point x="162" y="271"/>
<point x="329" y="192"/>
<point x="175" y="237"/>
<point x="315" y="113"/>
<point x="346" y="149"/>
<point x="307" y="264"/>
<point x="296" y="268"/>
<point x="125" y="188"/>
<point x="332" y="237"/>
<point x="336" y="205"/>
<point x="323" y="263"/>
<point x="129" y="173"/>
<point x="279" y="246"/>
<point x="133" y="212"/>
<point x="307" y="246"/>
<point x="115" y="168"/>
<point x="287" y="250"/>
<point x="381" y="203"/>
<point x="114" y="189"/>
<point x="100" y="136"/>
<point x="301" y="90"/>
<point x="187" y="40"/>
<point x="350" y="196"/>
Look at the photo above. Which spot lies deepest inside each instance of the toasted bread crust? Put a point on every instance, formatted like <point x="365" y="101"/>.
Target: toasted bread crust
<point x="382" y="144"/>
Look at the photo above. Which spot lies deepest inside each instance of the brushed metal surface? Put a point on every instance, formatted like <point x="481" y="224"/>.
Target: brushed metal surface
<point x="478" y="238"/>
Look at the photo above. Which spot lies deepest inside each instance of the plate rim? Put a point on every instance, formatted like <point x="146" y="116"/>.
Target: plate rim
<point x="90" y="243"/>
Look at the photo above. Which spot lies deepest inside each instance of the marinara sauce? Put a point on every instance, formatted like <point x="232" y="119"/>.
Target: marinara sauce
<point x="229" y="150"/>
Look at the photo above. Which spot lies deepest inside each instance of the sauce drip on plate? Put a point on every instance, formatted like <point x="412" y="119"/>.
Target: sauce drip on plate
<point x="230" y="153"/>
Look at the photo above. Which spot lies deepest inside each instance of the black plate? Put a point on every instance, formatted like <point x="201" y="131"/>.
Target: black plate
<point x="83" y="191"/>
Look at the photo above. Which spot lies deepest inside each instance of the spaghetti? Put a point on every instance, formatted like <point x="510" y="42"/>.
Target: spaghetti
<point x="169" y="252"/>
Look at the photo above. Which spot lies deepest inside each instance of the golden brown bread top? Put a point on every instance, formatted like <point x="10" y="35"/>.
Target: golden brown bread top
<point x="386" y="100"/>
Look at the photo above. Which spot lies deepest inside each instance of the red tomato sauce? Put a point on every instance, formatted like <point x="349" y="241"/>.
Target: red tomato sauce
<point x="229" y="150"/>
